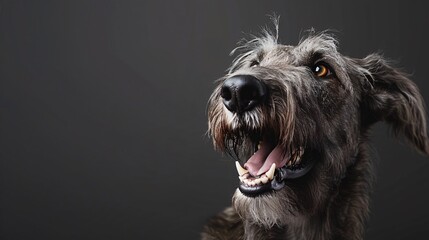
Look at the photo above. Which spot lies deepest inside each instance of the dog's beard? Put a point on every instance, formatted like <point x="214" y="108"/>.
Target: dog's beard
<point x="268" y="210"/>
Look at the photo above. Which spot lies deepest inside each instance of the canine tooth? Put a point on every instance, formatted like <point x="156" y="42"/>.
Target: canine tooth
<point x="270" y="173"/>
<point x="259" y="146"/>
<point x="241" y="171"/>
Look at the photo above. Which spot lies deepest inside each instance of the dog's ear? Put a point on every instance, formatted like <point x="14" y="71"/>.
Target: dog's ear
<point x="389" y="95"/>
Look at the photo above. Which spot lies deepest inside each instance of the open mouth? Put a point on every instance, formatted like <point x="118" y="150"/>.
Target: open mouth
<point x="270" y="166"/>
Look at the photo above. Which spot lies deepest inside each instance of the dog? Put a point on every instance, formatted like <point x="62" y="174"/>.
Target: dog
<point x="298" y="118"/>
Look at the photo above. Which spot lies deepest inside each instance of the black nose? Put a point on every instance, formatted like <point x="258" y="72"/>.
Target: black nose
<point x="242" y="92"/>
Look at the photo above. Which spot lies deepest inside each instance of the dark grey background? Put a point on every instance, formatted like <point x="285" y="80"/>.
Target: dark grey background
<point x="102" y="122"/>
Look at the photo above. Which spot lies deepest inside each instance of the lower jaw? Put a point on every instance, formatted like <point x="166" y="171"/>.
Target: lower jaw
<point x="254" y="191"/>
<point x="277" y="183"/>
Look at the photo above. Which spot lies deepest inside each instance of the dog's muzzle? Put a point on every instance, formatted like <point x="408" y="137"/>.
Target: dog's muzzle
<point x="271" y="163"/>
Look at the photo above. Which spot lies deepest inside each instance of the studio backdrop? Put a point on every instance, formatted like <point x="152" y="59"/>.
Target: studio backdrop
<point x="103" y="112"/>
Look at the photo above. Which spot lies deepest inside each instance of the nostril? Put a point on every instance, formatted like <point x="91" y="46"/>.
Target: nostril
<point x="225" y="93"/>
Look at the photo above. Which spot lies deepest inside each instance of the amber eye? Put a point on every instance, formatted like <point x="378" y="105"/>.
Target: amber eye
<point x="321" y="70"/>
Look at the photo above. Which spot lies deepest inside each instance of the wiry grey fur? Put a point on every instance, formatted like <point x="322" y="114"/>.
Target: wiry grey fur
<point x="331" y="117"/>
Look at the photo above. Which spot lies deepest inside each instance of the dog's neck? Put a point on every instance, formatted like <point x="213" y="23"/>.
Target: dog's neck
<point x="253" y="231"/>
<point x="337" y="180"/>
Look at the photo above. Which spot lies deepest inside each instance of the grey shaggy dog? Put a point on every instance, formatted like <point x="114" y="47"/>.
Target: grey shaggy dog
<point x="298" y="118"/>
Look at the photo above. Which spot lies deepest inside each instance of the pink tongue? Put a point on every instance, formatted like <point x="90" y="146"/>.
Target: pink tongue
<point x="277" y="156"/>
<point x="262" y="160"/>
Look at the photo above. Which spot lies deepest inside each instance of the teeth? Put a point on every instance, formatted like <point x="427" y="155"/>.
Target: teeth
<point x="296" y="158"/>
<point x="241" y="171"/>
<point x="270" y="173"/>
<point x="243" y="177"/>
<point x="253" y="181"/>
<point x="264" y="179"/>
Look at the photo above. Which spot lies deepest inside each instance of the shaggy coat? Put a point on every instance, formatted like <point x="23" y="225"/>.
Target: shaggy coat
<point x="330" y="117"/>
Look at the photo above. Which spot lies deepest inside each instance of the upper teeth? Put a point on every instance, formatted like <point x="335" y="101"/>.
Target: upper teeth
<point x="296" y="157"/>
<point x="270" y="173"/>
<point x="241" y="171"/>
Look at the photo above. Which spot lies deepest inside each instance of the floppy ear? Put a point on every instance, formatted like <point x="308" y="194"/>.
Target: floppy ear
<point x="389" y="95"/>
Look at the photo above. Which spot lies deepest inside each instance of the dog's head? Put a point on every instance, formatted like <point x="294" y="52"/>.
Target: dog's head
<point x="295" y="116"/>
